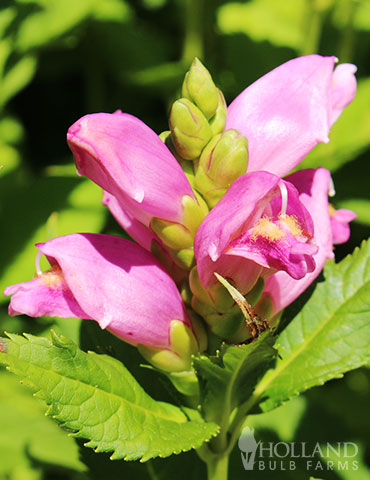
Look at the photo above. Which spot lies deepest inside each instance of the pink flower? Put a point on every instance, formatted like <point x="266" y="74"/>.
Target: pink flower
<point x="262" y="222"/>
<point x="129" y="161"/>
<point x="107" y="279"/>
<point x="289" y="110"/>
<point x="313" y="186"/>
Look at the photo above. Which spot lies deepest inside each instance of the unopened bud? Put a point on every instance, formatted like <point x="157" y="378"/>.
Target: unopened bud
<point x="194" y="212"/>
<point x="222" y="161"/>
<point x="189" y="128"/>
<point x="184" y="258"/>
<point x="173" y="235"/>
<point x="216" y="296"/>
<point x="186" y="165"/>
<point x="199" y="330"/>
<point x="198" y="87"/>
<point x="218" y="121"/>
<point x="179" y="236"/>
<point x="183" y="345"/>
<point x="227" y="324"/>
<point x="255" y="294"/>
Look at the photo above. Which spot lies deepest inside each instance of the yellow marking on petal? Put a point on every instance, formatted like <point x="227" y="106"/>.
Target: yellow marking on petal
<point x="332" y="210"/>
<point x="53" y="278"/>
<point x="292" y="223"/>
<point x="267" y="229"/>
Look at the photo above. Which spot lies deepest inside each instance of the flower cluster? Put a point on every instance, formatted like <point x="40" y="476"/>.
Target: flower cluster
<point x="207" y="198"/>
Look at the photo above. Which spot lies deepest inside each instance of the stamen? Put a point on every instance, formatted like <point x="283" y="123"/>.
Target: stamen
<point x="331" y="191"/>
<point x="284" y="199"/>
<point x="37" y="263"/>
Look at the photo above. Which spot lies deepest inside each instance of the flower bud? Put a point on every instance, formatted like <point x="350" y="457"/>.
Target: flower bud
<point x="189" y="128"/>
<point x="179" y="236"/>
<point x="218" y="121"/>
<point x="186" y="165"/>
<point x="216" y="297"/>
<point x="227" y="324"/>
<point x="222" y="161"/>
<point x="183" y="345"/>
<point x="198" y="87"/>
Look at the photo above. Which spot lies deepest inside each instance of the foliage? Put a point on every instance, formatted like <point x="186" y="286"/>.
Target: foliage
<point x="62" y="59"/>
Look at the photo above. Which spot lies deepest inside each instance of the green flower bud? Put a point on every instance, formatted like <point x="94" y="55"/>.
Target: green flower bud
<point x="183" y="345"/>
<point x="217" y="122"/>
<point x="180" y="236"/>
<point x="216" y="297"/>
<point x="222" y="161"/>
<point x="264" y="308"/>
<point x="186" y="165"/>
<point x="255" y="294"/>
<point x="199" y="330"/>
<point x="173" y="235"/>
<point x="227" y="324"/>
<point x="185" y="293"/>
<point x="189" y="128"/>
<point x="198" y="87"/>
<point x="185" y="383"/>
<point x="184" y="258"/>
<point x="194" y="212"/>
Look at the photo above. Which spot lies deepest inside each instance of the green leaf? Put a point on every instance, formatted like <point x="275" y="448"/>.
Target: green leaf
<point x="41" y="210"/>
<point x="328" y="337"/>
<point x="51" y="20"/>
<point x="228" y="379"/>
<point x="24" y="426"/>
<point x="346" y="142"/>
<point x="97" y="398"/>
<point x="17" y="78"/>
<point x="278" y="22"/>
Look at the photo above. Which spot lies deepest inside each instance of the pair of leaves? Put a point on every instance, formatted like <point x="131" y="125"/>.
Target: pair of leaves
<point x="229" y="378"/>
<point x="98" y="399"/>
<point x="329" y="337"/>
<point x="95" y="397"/>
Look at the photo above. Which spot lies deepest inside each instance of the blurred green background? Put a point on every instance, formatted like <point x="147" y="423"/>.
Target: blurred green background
<point x="61" y="59"/>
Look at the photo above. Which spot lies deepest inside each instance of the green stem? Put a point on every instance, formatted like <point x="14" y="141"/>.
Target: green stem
<point x="347" y="41"/>
<point x="313" y="20"/>
<point x="193" y="41"/>
<point x="217" y="468"/>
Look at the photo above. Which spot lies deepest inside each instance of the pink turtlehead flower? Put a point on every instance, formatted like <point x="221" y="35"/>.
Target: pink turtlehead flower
<point x="339" y="220"/>
<point x="262" y="222"/>
<point x="313" y="187"/>
<point x="107" y="279"/>
<point x="289" y="110"/>
<point x="129" y="161"/>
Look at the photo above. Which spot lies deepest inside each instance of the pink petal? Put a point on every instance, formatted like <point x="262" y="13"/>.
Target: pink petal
<point x="127" y="159"/>
<point x="137" y="231"/>
<point x="47" y="294"/>
<point x="288" y="111"/>
<point x="340" y="225"/>
<point x="118" y="284"/>
<point x="313" y="187"/>
<point x="242" y="204"/>
<point x="344" y="88"/>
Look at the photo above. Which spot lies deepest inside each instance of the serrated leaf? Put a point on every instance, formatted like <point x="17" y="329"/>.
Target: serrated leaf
<point x="229" y="379"/>
<point x="97" y="398"/>
<point x="26" y="432"/>
<point x="330" y="336"/>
